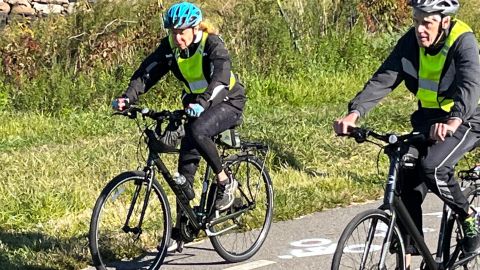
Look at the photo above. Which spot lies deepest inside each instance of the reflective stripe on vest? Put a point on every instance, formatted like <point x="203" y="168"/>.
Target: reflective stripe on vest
<point x="430" y="71"/>
<point x="192" y="68"/>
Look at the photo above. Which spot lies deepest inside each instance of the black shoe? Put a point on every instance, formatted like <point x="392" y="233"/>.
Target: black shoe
<point x="412" y="250"/>
<point x="471" y="239"/>
<point x="226" y="195"/>
<point x="176" y="234"/>
<point x="409" y="249"/>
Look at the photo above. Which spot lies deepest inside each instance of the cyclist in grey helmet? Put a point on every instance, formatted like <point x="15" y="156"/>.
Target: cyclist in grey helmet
<point x="438" y="61"/>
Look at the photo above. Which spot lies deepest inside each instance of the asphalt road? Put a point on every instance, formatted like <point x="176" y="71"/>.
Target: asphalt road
<point x="304" y="243"/>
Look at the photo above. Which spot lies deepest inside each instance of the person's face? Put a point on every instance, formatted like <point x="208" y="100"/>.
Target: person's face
<point x="183" y="37"/>
<point x="427" y="27"/>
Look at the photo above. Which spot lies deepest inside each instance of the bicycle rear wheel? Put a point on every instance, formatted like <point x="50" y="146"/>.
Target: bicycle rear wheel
<point x="360" y="245"/>
<point x="452" y="235"/>
<point x="240" y="237"/>
<point x="113" y="243"/>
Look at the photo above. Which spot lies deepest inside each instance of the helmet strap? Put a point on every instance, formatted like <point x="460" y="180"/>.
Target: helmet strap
<point x="441" y="35"/>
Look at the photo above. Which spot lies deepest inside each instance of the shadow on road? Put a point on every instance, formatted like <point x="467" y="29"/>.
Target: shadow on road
<point x="178" y="259"/>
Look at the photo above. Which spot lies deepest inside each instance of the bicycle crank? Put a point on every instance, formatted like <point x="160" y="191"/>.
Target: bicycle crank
<point x="187" y="232"/>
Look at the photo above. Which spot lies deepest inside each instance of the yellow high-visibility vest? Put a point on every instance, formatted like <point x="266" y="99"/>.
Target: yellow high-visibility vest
<point x="192" y="68"/>
<point x="430" y="70"/>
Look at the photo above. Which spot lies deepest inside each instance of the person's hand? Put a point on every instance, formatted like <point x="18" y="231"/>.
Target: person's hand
<point x="341" y="126"/>
<point x="439" y="131"/>
<point x="194" y="109"/>
<point x="120" y="104"/>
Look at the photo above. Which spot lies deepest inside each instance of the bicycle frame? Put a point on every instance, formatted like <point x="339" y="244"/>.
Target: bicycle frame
<point x="394" y="204"/>
<point x="200" y="217"/>
<point x="240" y="160"/>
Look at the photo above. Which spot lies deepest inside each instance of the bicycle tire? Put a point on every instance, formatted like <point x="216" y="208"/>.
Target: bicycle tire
<point x="471" y="193"/>
<point x="247" y="170"/>
<point x="348" y="247"/>
<point x="149" y="247"/>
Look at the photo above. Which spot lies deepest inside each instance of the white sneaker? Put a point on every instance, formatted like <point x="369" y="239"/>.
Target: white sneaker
<point x="226" y="195"/>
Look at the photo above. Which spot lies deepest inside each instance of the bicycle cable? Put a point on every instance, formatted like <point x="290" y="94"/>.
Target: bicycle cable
<point x="378" y="160"/>
<point x="140" y="157"/>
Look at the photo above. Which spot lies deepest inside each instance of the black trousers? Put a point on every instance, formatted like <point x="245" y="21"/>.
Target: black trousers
<point x="435" y="171"/>
<point x="198" y="138"/>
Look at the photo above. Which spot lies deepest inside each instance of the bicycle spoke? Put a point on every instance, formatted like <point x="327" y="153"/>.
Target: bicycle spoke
<point x="124" y="231"/>
<point x="255" y="199"/>
<point x="361" y="243"/>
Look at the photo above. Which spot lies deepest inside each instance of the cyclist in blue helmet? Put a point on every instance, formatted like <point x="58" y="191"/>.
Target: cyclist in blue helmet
<point x="182" y="16"/>
<point x="438" y="61"/>
<point x="213" y="96"/>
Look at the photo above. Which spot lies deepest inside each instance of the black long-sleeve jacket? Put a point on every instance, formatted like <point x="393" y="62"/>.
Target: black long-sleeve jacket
<point x="460" y="80"/>
<point x="216" y="69"/>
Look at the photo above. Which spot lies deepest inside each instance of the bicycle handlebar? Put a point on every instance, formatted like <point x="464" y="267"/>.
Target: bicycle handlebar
<point x="133" y="111"/>
<point x="361" y="135"/>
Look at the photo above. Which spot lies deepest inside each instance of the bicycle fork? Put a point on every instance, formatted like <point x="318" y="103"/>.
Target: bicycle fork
<point x="388" y="241"/>
<point x="385" y="245"/>
<point x="446" y="216"/>
<point x="149" y="173"/>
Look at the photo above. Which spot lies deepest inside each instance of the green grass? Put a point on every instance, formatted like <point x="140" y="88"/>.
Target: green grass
<point x="59" y="144"/>
<point x="55" y="167"/>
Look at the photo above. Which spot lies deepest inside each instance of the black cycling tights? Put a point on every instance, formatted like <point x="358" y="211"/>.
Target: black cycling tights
<point x="198" y="138"/>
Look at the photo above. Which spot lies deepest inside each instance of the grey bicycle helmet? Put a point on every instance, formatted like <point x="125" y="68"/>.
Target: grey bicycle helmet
<point x="445" y="7"/>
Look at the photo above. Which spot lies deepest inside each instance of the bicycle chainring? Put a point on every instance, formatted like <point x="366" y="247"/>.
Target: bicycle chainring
<point x="187" y="231"/>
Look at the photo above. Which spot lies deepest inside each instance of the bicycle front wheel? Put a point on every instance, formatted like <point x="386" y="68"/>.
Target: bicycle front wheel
<point x="360" y="246"/>
<point x="241" y="236"/>
<point x="127" y="229"/>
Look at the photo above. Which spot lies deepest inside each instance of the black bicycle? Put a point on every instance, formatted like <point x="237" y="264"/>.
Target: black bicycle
<point x="131" y="224"/>
<point x="373" y="240"/>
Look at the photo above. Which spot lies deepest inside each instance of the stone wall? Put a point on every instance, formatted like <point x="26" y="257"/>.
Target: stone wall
<point x="9" y="9"/>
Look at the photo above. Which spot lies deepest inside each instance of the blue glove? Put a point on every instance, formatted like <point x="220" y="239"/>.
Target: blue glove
<point x="120" y="104"/>
<point x="194" y="110"/>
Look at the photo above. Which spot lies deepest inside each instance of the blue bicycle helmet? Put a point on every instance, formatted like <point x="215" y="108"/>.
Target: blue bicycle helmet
<point x="182" y="15"/>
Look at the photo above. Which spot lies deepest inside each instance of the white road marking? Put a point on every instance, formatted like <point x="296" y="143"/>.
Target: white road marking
<point x="312" y="242"/>
<point x="251" y="265"/>
<point x="437" y="214"/>
<point x="428" y="230"/>
<point x="285" y="257"/>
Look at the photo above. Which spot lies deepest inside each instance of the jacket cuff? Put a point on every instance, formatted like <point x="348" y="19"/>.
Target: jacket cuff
<point x="356" y="109"/>
<point x="457" y="115"/>
<point x="130" y="97"/>
<point x="356" y="112"/>
<point x="204" y="103"/>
